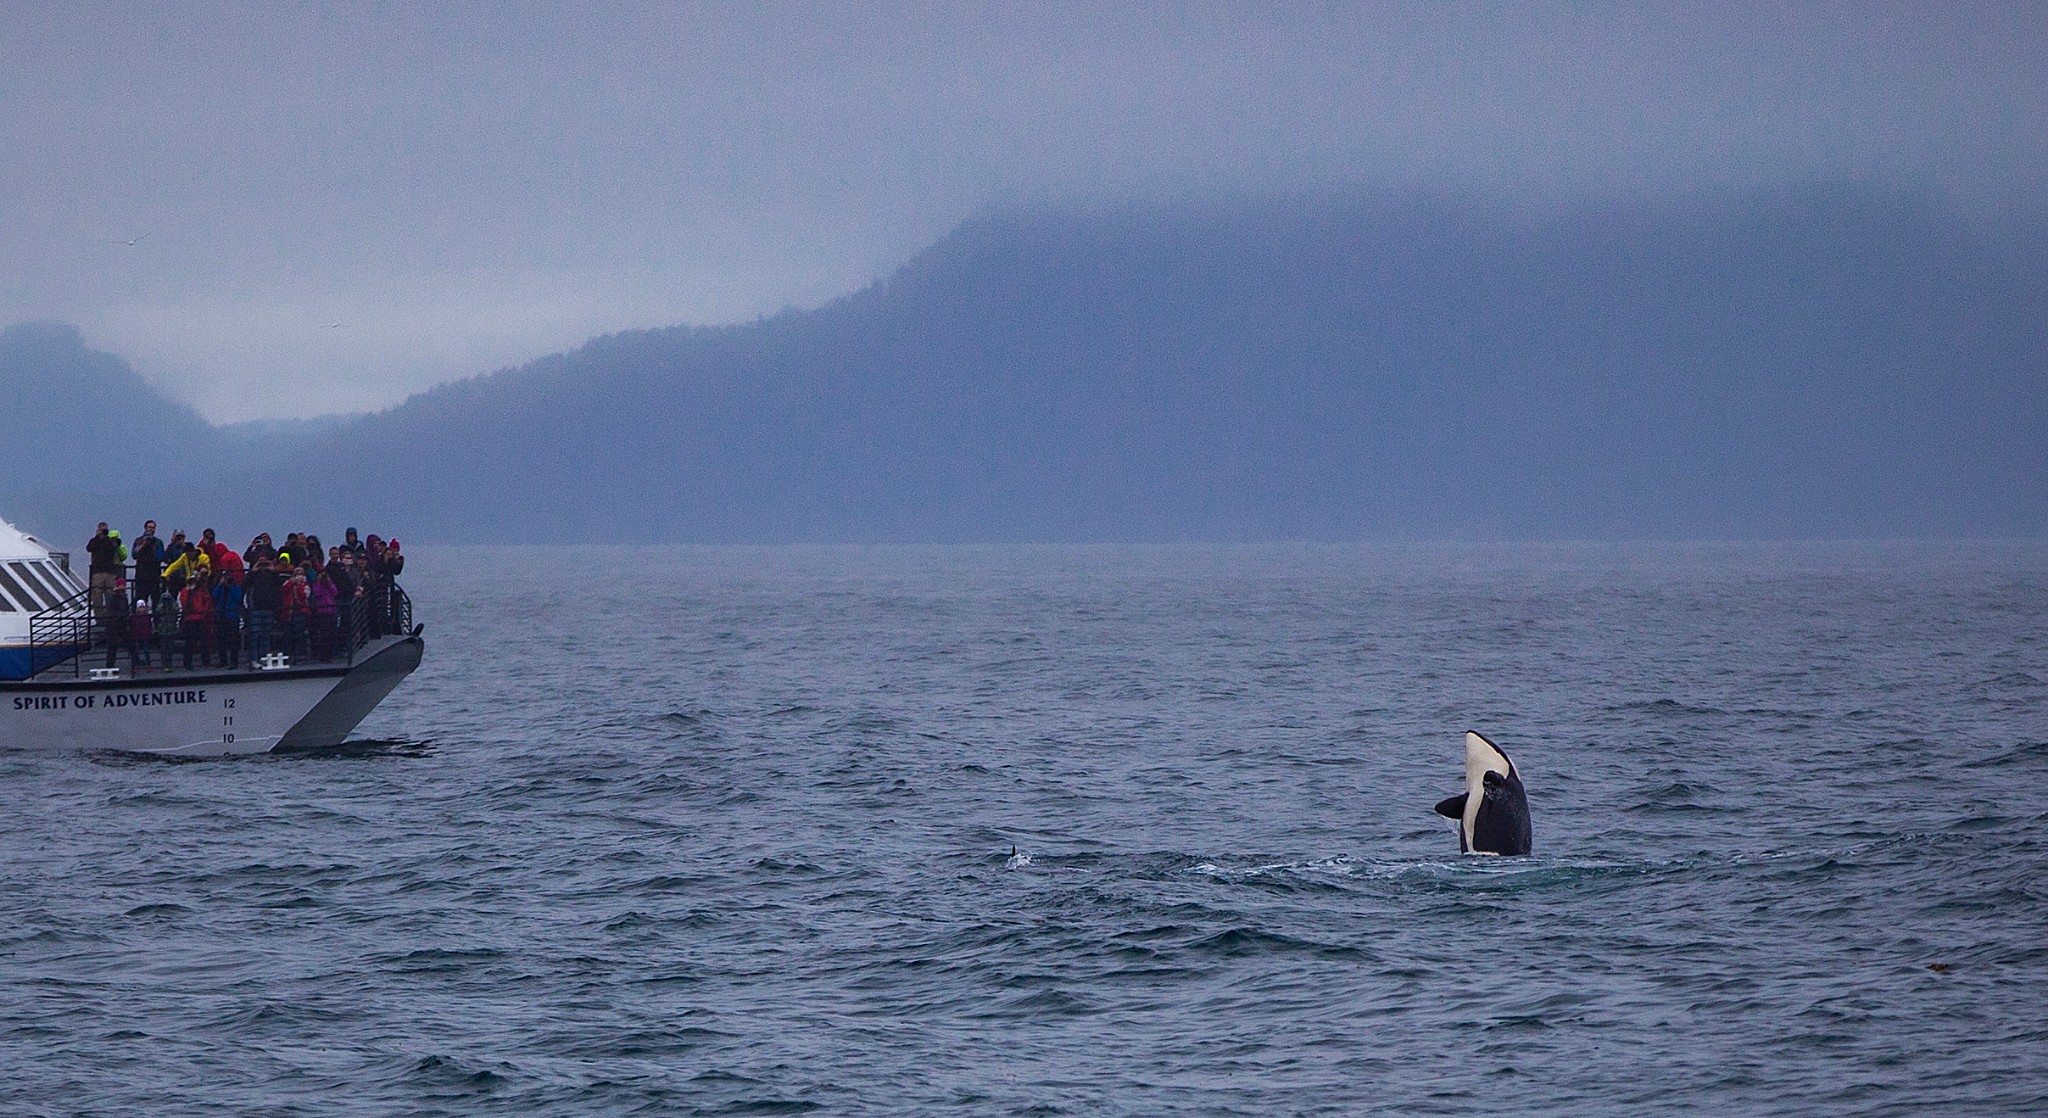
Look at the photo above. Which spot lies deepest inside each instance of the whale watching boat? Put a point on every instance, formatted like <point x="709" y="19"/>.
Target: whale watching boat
<point x="54" y="693"/>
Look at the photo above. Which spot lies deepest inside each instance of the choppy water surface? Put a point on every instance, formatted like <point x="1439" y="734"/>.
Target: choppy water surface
<point x="729" y="831"/>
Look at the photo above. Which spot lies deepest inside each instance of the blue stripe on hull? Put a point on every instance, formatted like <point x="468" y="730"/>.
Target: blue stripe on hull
<point x="21" y="661"/>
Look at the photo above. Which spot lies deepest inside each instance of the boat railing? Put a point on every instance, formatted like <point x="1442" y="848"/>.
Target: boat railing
<point x="66" y="632"/>
<point x="376" y="612"/>
<point x="61" y="633"/>
<point x="355" y="626"/>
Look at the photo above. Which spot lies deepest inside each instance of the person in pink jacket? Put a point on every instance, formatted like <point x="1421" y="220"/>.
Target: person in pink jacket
<point x="324" y="598"/>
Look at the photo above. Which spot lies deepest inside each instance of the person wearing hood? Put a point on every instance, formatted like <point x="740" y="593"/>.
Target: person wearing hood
<point x="227" y="563"/>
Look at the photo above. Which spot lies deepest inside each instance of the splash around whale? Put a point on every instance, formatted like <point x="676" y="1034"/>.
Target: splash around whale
<point x="1493" y="810"/>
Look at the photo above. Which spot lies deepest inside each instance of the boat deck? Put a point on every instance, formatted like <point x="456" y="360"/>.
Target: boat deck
<point x="71" y="645"/>
<point x="126" y="675"/>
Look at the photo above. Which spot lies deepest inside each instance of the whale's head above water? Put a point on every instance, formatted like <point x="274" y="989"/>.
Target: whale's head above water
<point x="1493" y="811"/>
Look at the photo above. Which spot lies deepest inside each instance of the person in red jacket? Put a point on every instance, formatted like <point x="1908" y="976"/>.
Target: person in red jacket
<point x="293" y="612"/>
<point x="227" y="562"/>
<point x="195" y="618"/>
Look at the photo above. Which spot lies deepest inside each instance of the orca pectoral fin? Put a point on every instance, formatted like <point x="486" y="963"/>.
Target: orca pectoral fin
<point x="1453" y="808"/>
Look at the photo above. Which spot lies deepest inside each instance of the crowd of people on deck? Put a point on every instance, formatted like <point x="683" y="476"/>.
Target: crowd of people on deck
<point x="154" y="598"/>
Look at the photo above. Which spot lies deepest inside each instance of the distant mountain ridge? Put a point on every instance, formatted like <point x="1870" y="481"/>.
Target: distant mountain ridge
<point x="73" y="412"/>
<point x="1833" y="362"/>
<point x="83" y="431"/>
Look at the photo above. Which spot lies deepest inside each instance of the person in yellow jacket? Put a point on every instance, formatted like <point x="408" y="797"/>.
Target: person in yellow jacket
<point x="186" y="566"/>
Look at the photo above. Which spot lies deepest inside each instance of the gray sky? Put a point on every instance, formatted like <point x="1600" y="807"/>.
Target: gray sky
<point x="463" y="187"/>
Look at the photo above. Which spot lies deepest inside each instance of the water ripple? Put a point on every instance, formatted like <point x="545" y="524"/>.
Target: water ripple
<point x="1086" y="831"/>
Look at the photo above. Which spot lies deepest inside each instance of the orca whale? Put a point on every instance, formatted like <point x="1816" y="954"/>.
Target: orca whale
<point x="1492" y="812"/>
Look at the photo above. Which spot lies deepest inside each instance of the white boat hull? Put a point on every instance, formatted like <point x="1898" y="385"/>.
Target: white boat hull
<point x="203" y="714"/>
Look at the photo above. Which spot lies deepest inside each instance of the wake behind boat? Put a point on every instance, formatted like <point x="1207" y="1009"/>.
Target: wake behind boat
<point x="54" y="693"/>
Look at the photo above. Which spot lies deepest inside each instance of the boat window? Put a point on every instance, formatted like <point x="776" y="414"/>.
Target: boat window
<point x="38" y="580"/>
<point x="40" y="591"/>
<point x="63" y="583"/>
<point x="57" y="578"/>
<point x="8" y="589"/>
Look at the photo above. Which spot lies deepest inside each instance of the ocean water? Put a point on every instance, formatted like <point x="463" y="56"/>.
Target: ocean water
<point x="730" y="831"/>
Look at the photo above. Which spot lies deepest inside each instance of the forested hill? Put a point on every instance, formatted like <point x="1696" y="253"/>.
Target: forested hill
<point x="80" y="429"/>
<point x="1820" y="363"/>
